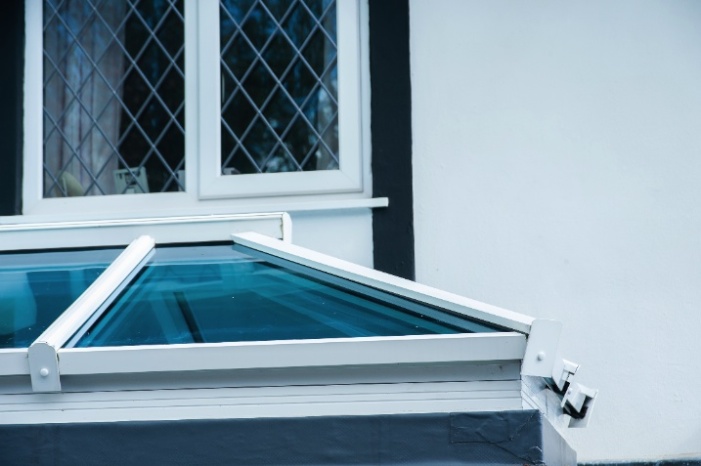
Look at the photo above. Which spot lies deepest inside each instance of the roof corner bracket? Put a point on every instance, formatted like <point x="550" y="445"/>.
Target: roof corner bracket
<point x="541" y="350"/>
<point x="578" y="403"/>
<point x="541" y="360"/>
<point x="43" y="368"/>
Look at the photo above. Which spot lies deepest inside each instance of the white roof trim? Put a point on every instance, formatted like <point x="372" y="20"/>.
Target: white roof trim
<point x="183" y="229"/>
<point x="375" y="279"/>
<point x="336" y="352"/>
<point x="527" y="342"/>
<point x="13" y="361"/>
<point x="259" y="402"/>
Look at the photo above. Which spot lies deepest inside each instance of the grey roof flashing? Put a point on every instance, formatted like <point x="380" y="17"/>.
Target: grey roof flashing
<point x="483" y="438"/>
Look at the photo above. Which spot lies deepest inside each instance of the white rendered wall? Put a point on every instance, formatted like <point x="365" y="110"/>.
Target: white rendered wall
<point x="346" y="234"/>
<point x="557" y="162"/>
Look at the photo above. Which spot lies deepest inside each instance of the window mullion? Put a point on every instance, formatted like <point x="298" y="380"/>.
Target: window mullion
<point x="32" y="185"/>
<point x="207" y="69"/>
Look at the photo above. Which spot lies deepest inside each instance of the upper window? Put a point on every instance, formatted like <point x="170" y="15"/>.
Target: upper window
<point x="114" y="97"/>
<point x="202" y="100"/>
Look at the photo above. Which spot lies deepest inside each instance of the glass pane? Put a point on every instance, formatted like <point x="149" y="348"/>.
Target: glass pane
<point x="224" y="293"/>
<point x="113" y="97"/>
<point x="36" y="287"/>
<point x="279" y="86"/>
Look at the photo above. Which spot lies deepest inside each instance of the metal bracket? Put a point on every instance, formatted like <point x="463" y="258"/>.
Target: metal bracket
<point x="541" y="360"/>
<point x="541" y="350"/>
<point x="578" y="403"/>
<point x="43" y="368"/>
<point x="563" y="374"/>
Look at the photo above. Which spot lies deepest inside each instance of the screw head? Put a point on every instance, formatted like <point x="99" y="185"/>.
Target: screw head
<point x="44" y="372"/>
<point x="541" y="355"/>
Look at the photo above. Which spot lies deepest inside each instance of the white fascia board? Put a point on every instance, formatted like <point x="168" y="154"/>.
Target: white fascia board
<point x="375" y="279"/>
<point x="258" y="402"/>
<point x="14" y="361"/>
<point x="183" y="229"/>
<point x="541" y="354"/>
<point x="367" y="351"/>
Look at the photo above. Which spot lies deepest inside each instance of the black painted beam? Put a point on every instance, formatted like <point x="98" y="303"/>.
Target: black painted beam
<point x="393" y="227"/>
<point x="11" y="105"/>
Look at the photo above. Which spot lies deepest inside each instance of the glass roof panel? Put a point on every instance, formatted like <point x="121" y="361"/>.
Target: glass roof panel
<point x="36" y="287"/>
<point x="226" y="293"/>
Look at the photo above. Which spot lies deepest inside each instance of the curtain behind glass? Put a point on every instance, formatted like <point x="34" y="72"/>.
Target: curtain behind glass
<point x="83" y="68"/>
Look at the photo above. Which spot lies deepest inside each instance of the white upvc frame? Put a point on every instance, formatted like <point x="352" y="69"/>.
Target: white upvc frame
<point x="207" y="191"/>
<point x="261" y="402"/>
<point x="376" y="279"/>
<point x="182" y="229"/>
<point x="473" y="371"/>
<point x="265" y="357"/>
<point x="13" y="361"/>
<point x="517" y="368"/>
<point x="53" y="235"/>
<point x="52" y="355"/>
<point x="285" y="354"/>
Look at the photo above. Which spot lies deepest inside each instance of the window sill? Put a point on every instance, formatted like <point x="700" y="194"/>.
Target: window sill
<point x="50" y="221"/>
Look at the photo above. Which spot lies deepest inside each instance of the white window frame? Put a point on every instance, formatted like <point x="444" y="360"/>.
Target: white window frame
<point x="206" y="189"/>
<point x="339" y="376"/>
<point x="51" y="355"/>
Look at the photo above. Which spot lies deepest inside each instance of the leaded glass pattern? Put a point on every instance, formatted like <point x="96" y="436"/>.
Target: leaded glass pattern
<point x="113" y="96"/>
<point x="37" y="286"/>
<point x="279" y="86"/>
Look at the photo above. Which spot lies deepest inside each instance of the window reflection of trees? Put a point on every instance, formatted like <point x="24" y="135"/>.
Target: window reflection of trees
<point x="279" y="81"/>
<point x="155" y="137"/>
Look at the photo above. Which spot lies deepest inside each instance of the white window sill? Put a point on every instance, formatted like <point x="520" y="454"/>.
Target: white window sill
<point x="48" y="221"/>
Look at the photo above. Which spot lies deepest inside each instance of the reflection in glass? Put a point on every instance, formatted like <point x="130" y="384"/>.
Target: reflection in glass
<point x="36" y="287"/>
<point x="279" y="86"/>
<point x="216" y="293"/>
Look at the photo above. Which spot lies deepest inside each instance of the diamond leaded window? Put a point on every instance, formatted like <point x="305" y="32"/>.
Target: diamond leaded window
<point x="113" y="97"/>
<point x="115" y="104"/>
<point x="279" y="86"/>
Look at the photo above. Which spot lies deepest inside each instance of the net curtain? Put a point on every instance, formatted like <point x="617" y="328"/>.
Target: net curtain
<point x="83" y="70"/>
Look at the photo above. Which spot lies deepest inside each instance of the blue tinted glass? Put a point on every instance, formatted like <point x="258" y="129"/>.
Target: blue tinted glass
<point x="208" y="294"/>
<point x="36" y="287"/>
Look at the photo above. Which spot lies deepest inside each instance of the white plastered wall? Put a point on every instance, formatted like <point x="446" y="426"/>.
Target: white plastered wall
<point x="557" y="162"/>
<point x="346" y="234"/>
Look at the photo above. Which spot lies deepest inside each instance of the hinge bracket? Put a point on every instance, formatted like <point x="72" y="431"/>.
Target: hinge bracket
<point x="43" y="368"/>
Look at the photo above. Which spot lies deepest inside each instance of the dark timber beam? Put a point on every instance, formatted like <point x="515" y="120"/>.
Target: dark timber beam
<point x="11" y="104"/>
<point x="393" y="227"/>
